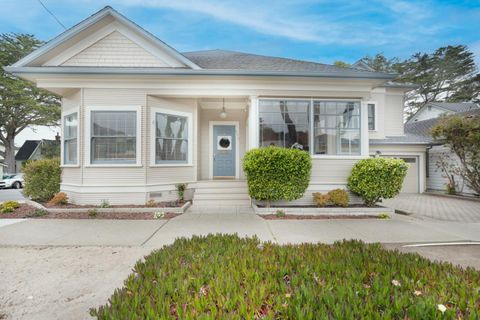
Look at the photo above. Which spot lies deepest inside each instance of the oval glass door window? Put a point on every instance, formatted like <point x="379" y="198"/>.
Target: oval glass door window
<point x="224" y="143"/>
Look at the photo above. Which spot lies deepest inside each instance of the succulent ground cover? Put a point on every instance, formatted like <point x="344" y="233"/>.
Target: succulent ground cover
<point x="223" y="276"/>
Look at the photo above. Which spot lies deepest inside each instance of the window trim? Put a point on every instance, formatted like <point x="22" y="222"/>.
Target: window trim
<point x="88" y="136"/>
<point x="153" y="137"/>
<point x="375" y="120"/>
<point x="62" y="138"/>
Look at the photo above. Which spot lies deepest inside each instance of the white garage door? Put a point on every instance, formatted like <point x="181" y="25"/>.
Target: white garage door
<point x="410" y="184"/>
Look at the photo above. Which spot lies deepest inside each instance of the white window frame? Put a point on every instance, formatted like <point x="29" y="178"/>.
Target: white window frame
<point x="153" y="137"/>
<point x="364" y="144"/>
<point x="62" y="140"/>
<point x="375" y="121"/>
<point x="88" y="135"/>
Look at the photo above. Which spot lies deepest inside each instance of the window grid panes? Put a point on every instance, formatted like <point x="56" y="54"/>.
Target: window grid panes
<point x="285" y="123"/>
<point x="171" y="138"/>
<point x="70" y="126"/>
<point x="371" y="116"/>
<point x="114" y="137"/>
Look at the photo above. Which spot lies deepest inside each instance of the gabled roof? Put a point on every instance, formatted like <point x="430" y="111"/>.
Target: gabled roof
<point x="455" y="106"/>
<point x="96" y="17"/>
<point x="26" y="150"/>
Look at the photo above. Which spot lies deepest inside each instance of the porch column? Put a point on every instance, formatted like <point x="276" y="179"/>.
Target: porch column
<point x="253" y="123"/>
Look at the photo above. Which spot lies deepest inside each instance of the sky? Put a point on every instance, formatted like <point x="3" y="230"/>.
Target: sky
<point x="320" y="31"/>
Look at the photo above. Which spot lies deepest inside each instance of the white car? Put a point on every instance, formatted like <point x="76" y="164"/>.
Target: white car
<point x="14" y="181"/>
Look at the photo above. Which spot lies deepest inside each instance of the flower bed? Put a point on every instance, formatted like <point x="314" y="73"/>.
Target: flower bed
<point x="350" y="211"/>
<point x="223" y="276"/>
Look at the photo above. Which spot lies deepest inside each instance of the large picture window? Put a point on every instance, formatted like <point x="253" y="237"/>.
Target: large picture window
<point x="321" y="127"/>
<point x="171" y="138"/>
<point x="113" y="137"/>
<point x="70" y="139"/>
<point x="284" y="123"/>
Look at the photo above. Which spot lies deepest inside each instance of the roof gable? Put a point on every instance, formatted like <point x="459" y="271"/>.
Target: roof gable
<point x="102" y="34"/>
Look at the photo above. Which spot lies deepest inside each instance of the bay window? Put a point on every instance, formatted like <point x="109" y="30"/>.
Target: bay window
<point x="70" y="139"/>
<point x="113" y="137"/>
<point x="321" y="127"/>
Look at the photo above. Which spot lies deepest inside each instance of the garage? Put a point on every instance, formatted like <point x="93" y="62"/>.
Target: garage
<point x="411" y="183"/>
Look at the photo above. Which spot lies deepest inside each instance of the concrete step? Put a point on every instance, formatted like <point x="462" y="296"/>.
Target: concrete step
<point x="220" y="203"/>
<point x="221" y="184"/>
<point x="229" y="190"/>
<point x="221" y="196"/>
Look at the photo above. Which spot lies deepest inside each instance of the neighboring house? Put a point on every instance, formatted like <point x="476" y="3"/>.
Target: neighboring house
<point x="3" y="166"/>
<point x="139" y="117"/>
<point x="436" y="179"/>
<point x="436" y="109"/>
<point x="32" y="150"/>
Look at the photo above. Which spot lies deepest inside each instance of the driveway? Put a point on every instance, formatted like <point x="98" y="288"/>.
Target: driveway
<point x="426" y="206"/>
<point x="58" y="269"/>
<point x="11" y="194"/>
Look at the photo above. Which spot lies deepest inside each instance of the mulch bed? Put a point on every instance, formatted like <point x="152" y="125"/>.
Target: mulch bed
<point x="314" y="206"/>
<point x="166" y="204"/>
<point x="315" y="217"/>
<point x="27" y="211"/>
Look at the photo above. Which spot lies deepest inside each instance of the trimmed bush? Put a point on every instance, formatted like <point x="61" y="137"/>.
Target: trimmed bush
<point x="375" y="179"/>
<point x="339" y="197"/>
<point x="225" y="277"/>
<point x="42" y="179"/>
<point x="275" y="173"/>
<point x="9" y="206"/>
<point x="321" y="199"/>
<point x="60" y="198"/>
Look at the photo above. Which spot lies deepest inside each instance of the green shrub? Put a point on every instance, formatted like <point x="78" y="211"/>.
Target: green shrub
<point x="9" y="206"/>
<point x="42" y="179"/>
<point x="280" y="213"/>
<point x="339" y="197"/>
<point x="151" y="203"/>
<point x="104" y="204"/>
<point x="37" y="213"/>
<point x="225" y="277"/>
<point x="375" y="179"/>
<point x="181" y="187"/>
<point x="320" y="199"/>
<point x="92" y="213"/>
<point x="275" y="173"/>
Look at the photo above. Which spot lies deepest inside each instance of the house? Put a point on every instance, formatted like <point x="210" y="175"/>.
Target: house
<point x="139" y="117"/>
<point x="3" y="166"/>
<point x="436" y="109"/>
<point x="436" y="178"/>
<point x="34" y="150"/>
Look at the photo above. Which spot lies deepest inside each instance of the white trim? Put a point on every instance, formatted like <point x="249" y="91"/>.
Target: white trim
<point x="253" y="127"/>
<point x="190" y="129"/>
<point x="364" y="136"/>
<point x="375" y="107"/>
<point x="338" y="157"/>
<point x="62" y="138"/>
<point x="210" y="146"/>
<point x="87" y="135"/>
<point x="109" y="188"/>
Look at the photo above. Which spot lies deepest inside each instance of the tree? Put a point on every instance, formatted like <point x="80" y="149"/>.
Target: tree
<point x="462" y="135"/>
<point x="443" y="75"/>
<point x="381" y="63"/>
<point x="342" y="64"/>
<point x="22" y="104"/>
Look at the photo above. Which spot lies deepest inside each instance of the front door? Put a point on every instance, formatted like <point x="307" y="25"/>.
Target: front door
<point x="224" y="151"/>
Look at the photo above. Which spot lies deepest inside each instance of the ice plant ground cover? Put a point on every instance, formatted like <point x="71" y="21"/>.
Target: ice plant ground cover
<point x="224" y="276"/>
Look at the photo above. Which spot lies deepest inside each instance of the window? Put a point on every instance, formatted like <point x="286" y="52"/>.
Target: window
<point x="284" y="123"/>
<point x="70" y="141"/>
<point x="113" y="137"/>
<point x="171" y="138"/>
<point x="336" y="127"/>
<point x="371" y="116"/>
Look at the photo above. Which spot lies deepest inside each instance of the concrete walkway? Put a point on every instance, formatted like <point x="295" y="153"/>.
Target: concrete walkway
<point x="429" y="206"/>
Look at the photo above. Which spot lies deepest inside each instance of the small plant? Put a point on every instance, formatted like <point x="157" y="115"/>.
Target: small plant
<point x="9" y="206"/>
<point x="92" y="213"/>
<point x="104" y="204"/>
<point x="320" y="199"/>
<point x="181" y="187"/>
<point x="451" y="190"/>
<point x="38" y="213"/>
<point x="159" y="215"/>
<point x="151" y="203"/>
<point x="280" y="213"/>
<point x="60" y="198"/>
<point x="339" y="197"/>
<point x="384" y="216"/>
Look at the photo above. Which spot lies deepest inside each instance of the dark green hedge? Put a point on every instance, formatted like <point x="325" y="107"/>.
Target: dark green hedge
<point x="225" y="277"/>
<point x="275" y="173"/>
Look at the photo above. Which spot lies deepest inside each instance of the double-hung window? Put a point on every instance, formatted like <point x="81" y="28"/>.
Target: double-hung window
<point x="171" y="138"/>
<point x="113" y="137"/>
<point x="70" y="139"/>
<point x="371" y="116"/>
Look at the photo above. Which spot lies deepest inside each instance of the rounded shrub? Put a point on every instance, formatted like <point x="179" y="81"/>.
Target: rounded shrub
<point x="275" y="173"/>
<point x="42" y="179"/>
<point x="375" y="179"/>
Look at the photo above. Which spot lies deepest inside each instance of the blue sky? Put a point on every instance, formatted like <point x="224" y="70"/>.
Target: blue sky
<point x="322" y="31"/>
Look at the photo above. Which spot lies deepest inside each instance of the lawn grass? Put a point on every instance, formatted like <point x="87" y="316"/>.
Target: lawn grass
<point x="223" y="276"/>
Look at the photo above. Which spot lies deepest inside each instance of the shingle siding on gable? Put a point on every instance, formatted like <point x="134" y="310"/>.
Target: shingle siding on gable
<point x="115" y="50"/>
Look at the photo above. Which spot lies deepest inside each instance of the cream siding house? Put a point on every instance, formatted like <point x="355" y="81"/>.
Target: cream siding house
<point x="139" y="117"/>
